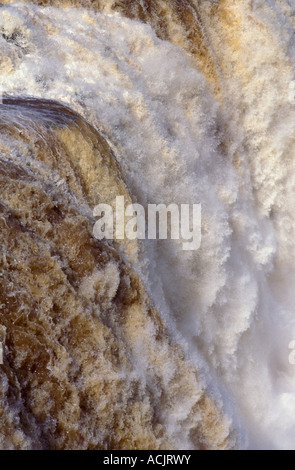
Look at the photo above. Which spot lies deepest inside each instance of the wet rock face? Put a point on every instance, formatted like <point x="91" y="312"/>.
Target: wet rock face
<point x="85" y="355"/>
<point x="66" y="381"/>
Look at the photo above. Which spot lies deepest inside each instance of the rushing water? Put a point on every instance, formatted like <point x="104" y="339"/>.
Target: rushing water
<point x="111" y="345"/>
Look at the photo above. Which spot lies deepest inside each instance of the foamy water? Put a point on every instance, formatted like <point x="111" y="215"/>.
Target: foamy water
<point x="212" y="126"/>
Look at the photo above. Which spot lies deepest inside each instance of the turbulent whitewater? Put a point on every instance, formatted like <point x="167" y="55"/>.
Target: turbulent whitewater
<point x="140" y="345"/>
